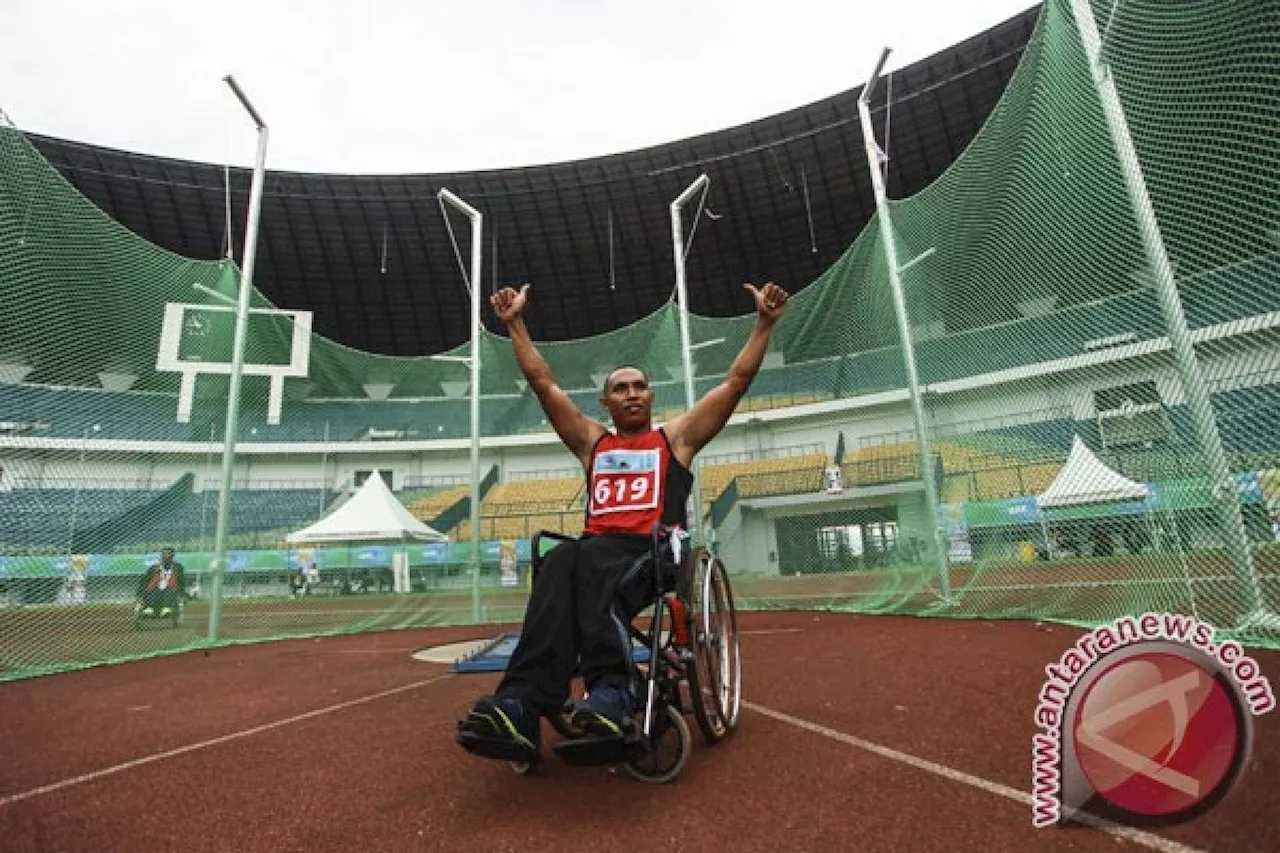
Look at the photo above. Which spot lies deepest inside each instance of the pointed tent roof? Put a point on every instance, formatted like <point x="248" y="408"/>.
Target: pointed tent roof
<point x="372" y="514"/>
<point x="1085" y="479"/>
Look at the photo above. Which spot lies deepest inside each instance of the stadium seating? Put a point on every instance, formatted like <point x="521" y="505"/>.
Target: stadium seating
<point x="50" y="517"/>
<point x="519" y="508"/>
<point x="85" y="518"/>
<point x="998" y="483"/>
<point x="1232" y="291"/>
<point x="56" y="412"/>
<point x="757" y="477"/>
<point x="74" y="412"/>
<point x="869" y="372"/>
<point x="191" y="519"/>
<point x="986" y="464"/>
<point x="556" y="493"/>
<point x="1033" y="340"/>
<point x="879" y="464"/>
<point x="978" y="466"/>
<point x="428" y="505"/>
<point x="1246" y="418"/>
<point x="956" y="488"/>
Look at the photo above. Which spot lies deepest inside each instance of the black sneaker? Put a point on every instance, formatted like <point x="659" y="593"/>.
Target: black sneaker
<point x="505" y="729"/>
<point x="605" y="712"/>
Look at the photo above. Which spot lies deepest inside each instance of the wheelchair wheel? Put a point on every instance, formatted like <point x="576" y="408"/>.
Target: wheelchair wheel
<point x="731" y="661"/>
<point x="670" y="751"/>
<point x="715" y="676"/>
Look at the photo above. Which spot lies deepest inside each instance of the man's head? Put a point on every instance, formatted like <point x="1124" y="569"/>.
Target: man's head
<point x="166" y="555"/>
<point x="628" y="399"/>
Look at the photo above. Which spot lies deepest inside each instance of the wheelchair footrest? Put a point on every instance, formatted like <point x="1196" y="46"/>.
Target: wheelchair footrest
<point x="501" y="749"/>
<point x="590" y="751"/>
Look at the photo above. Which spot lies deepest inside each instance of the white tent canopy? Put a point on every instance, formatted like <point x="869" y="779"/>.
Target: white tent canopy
<point x="1086" y="479"/>
<point x="373" y="514"/>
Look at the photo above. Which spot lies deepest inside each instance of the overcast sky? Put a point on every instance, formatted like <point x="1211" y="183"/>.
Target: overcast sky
<point x="394" y="86"/>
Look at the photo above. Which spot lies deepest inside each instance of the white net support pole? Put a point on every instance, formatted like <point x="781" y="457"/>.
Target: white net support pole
<point x="473" y="285"/>
<point x="888" y="241"/>
<point x="686" y="351"/>
<point x="218" y="566"/>
<point x="1224" y="496"/>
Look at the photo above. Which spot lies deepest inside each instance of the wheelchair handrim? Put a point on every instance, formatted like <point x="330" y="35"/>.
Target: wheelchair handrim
<point x="716" y="668"/>
<point x="730" y="693"/>
<point x="723" y="645"/>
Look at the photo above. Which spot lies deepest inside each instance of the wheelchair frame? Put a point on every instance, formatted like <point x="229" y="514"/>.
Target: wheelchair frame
<point x="699" y="648"/>
<point x="175" y="617"/>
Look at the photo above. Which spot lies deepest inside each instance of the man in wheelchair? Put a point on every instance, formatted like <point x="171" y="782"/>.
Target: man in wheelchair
<point x="637" y="477"/>
<point x="162" y="587"/>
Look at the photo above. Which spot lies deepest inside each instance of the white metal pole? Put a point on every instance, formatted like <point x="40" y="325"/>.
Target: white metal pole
<point x="1223" y="490"/>
<point x="477" y="222"/>
<point x="75" y="500"/>
<point x="686" y="352"/>
<point x="218" y="566"/>
<point x="324" y="470"/>
<point x="204" y="489"/>
<point x="888" y="240"/>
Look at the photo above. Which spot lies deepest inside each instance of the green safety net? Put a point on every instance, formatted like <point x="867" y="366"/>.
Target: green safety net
<point x="1093" y="432"/>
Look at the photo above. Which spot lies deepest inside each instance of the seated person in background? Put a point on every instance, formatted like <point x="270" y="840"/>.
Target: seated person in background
<point x="162" y="585"/>
<point x="637" y="476"/>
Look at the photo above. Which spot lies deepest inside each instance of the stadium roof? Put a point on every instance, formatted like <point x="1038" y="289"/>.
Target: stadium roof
<point x="373" y="258"/>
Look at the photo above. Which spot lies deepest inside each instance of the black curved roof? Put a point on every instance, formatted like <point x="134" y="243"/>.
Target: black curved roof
<point x="788" y="195"/>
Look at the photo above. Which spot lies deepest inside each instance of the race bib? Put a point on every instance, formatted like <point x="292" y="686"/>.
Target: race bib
<point x="625" y="480"/>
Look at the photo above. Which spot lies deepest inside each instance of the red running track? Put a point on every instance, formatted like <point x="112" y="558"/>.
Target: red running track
<point x="346" y="743"/>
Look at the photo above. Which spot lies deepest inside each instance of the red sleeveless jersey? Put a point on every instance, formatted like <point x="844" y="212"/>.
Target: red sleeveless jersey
<point x="633" y="483"/>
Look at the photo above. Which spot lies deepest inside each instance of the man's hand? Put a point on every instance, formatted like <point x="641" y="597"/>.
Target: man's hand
<point x="692" y="431"/>
<point x="508" y="304"/>
<point x="770" y="300"/>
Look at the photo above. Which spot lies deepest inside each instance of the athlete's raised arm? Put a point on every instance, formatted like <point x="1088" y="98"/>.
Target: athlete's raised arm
<point x="691" y="431"/>
<point x="578" y="432"/>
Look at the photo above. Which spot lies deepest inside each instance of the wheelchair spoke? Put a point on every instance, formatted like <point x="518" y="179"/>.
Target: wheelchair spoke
<point x="668" y="752"/>
<point x="707" y="676"/>
<point x="729" y="652"/>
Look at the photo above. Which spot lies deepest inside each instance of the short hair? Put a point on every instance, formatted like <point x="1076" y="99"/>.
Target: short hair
<point x="605" y="390"/>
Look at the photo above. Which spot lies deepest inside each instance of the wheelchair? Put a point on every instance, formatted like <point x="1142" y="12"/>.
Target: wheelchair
<point x="693" y="664"/>
<point x="154" y="606"/>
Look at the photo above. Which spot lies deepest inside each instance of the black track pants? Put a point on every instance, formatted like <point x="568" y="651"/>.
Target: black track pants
<point x="572" y="625"/>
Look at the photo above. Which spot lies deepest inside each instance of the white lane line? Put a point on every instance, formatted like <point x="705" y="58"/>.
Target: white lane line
<point x="160" y="756"/>
<point x="1128" y="833"/>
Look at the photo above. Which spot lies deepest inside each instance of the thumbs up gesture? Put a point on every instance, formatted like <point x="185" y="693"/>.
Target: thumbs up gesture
<point x="770" y="301"/>
<point x="508" y="303"/>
